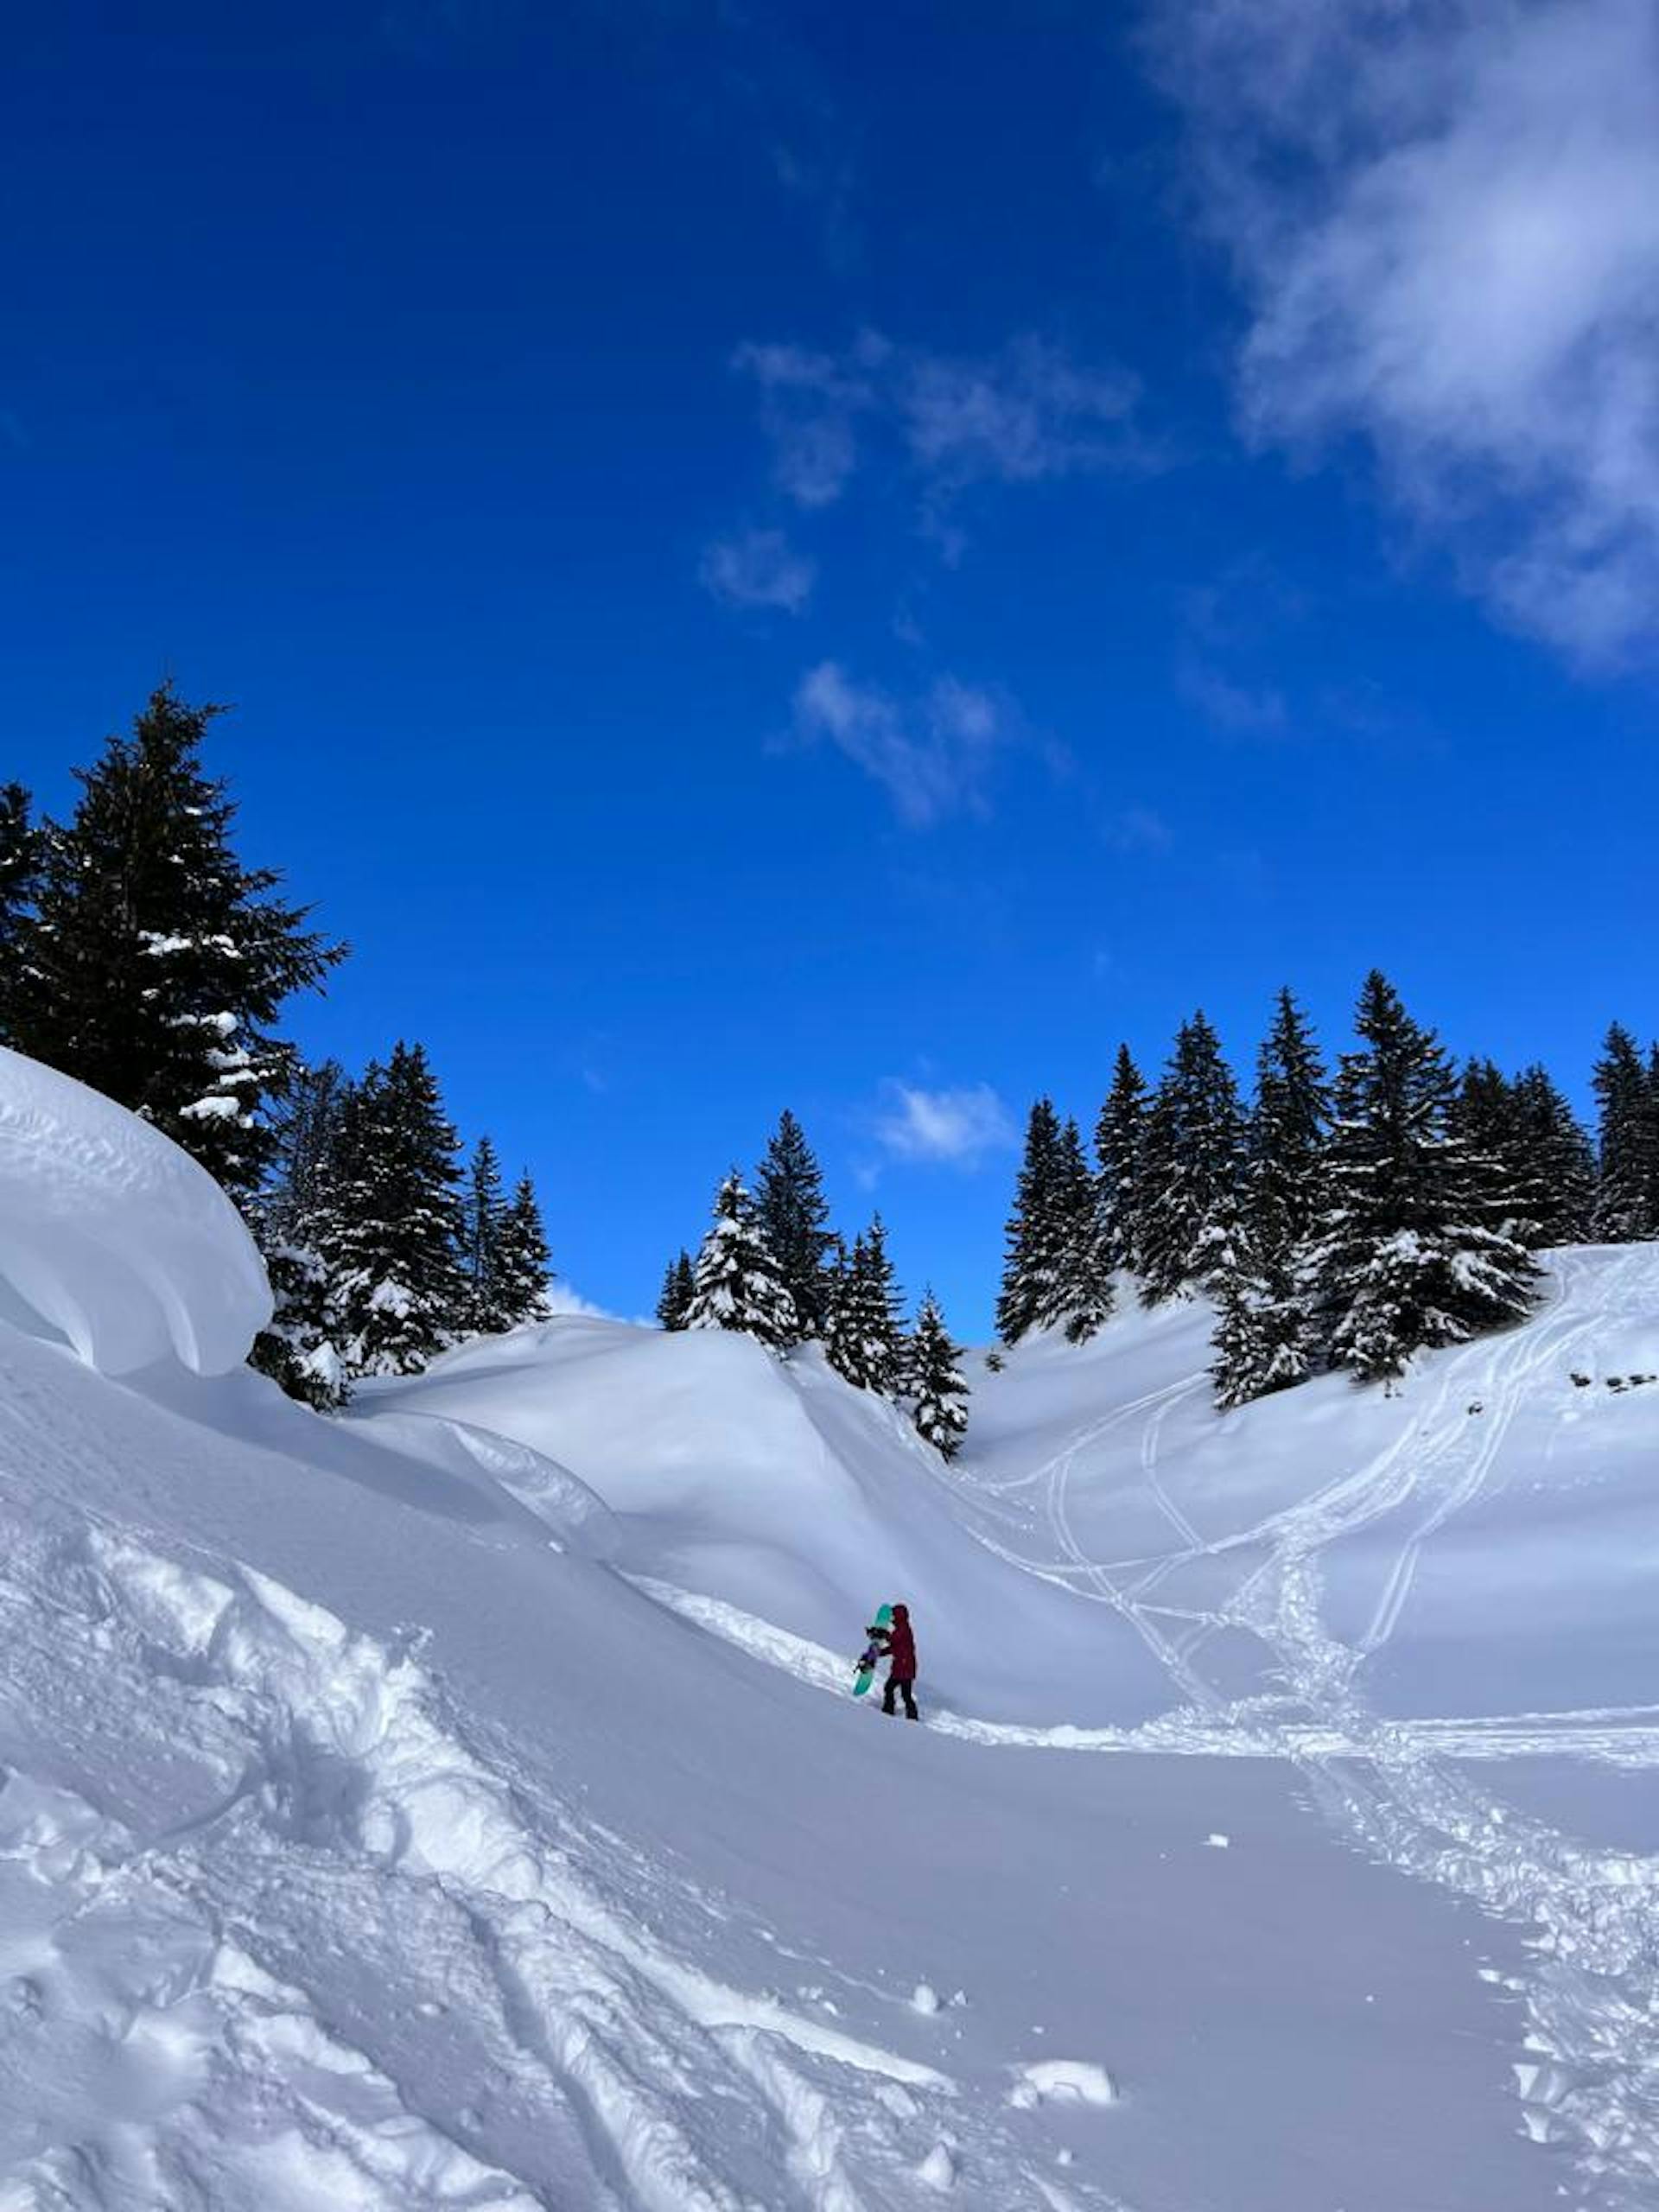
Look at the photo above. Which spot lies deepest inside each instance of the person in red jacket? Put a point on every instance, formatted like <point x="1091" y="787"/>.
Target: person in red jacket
<point x="899" y="1643"/>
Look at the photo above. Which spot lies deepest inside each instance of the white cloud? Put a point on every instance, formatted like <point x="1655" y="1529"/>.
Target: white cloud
<point x="1447" y="216"/>
<point x="957" y="1129"/>
<point x="758" y="568"/>
<point x="1023" y="414"/>
<point x="1139" y="830"/>
<point x="930" y="754"/>
<point x="1240" y="710"/>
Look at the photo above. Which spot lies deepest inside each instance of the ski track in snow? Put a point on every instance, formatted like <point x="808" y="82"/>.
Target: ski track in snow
<point x="1589" y="2078"/>
<point x="309" y="1799"/>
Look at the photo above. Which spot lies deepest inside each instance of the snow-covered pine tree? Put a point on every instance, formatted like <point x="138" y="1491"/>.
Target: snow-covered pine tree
<point x="20" y="863"/>
<point x="841" y="1322"/>
<point x="298" y="1350"/>
<point x="875" y="1327"/>
<point x="793" y="1215"/>
<point x="393" y="1229"/>
<point x="1191" y="1162"/>
<point x="679" y="1287"/>
<point x="1558" y="1165"/>
<point x="1405" y="1255"/>
<point x="523" y="1263"/>
<point x="738" y="1286"/>
<point x="1084" y="1294"/>
<point x="1265" y="1337"/>
<point x="290" y="1221"/>
<point x="484" y="1311"/>
<point x="1118" y="1136"/>
<point x="1260" y="1340"/>
<point x="155" y="961"/>
<point x="1036" y="1232"/>
<point x="1627" y="1186"/>
<point x="938" y="1388"/>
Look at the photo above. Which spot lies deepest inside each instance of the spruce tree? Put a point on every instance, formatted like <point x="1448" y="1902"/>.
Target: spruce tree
<point x="679" y="1287"/>
<point x="1191" y="1162"/>
<point x="1627" y="1186"/>
<point x="1119" y="1134"/>
<point x="1082" y="1296"/>
<point x="485" y="1309"/>
<point x="523" y="1263"/>
<point x="156" y="961"/>
<point x="1265" y="1337"/>
<point x="793" y="1215"/>
<point x="737" y="1282"/>
<point x="297" y="1350"/>
<point x="1558" y="1165"/>
<point x="291" y="1221"/>
<point x="395" y="1226"/>
<point x="1034" y="1234"/>
<point x="840" y="1318"/>
<point x="20" y="867"/>
<point x="1407" y="1255"/>
<point x="937" y="1390"/>
<point x="877" y="1311"/>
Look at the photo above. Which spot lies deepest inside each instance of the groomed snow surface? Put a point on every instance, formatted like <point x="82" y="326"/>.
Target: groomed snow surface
<point x="460" y="1804"/>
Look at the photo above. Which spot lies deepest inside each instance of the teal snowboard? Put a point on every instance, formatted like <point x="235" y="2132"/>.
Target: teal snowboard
<point x="872" y="1659"/>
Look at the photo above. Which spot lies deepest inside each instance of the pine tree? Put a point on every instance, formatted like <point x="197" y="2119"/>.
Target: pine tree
<point x="298" y="1348"/>
<point x="1558" y="1166"/>
<point x="1627" y="1187"/>
<point x="841" y="1316"/>
<point x="156" y="961"/>
<point x="878" y="1306"/>
<point x="737" y="1282"/>
<point x="484" y="1308"/>
<point x="937" y="1390"/>
<point x="1083" y="1296"/>
<point x="793" y="1215"/>
<point x="1119" y="1134"/>
<point x="1056" y="1274"/>
<point x="1035" y="1231"/>
<point x="523" y="1263"/>
<point x="20" y="867"/>
<point x="1407" y="1255"/>
<point x="394" y="1229"/>
<point x="679" y="1287"/>
<point x="1191" y="1162"/>
<point x="290" y="1221"/>
<point x="1265" y="1337"/>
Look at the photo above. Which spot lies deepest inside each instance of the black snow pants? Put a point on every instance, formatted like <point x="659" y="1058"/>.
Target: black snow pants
<point x="907" y="1690"/>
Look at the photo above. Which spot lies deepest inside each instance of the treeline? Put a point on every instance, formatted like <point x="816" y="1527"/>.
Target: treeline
<point x="771" y="1267"/>
<point x="382" y="1250"/>
<point x="139" y="955"/>
<point x="1338" y="1222"/>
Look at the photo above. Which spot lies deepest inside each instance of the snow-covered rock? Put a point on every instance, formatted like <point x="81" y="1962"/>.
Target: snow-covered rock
<point x="115" y="1239"/>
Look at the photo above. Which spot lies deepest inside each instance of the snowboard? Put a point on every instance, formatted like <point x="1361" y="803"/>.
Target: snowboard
<point x="872" y="1659"/>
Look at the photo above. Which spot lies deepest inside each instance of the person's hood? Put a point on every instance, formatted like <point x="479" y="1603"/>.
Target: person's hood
<point x="901" y="1613"/>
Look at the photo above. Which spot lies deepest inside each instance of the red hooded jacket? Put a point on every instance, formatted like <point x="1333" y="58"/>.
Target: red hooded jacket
<point x="901" y="1646"/>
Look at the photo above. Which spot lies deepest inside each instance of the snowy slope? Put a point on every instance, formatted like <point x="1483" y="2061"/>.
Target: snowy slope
<point x="460" y="1804"/>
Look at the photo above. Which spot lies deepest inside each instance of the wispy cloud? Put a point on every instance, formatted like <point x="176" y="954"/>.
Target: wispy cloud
<point x="1026" y="413"/>
<point x="931" y="754"/>
<point x="1139" y="830"/>
<point x="809" y="406"/>
<point x="954" y="1129"/>
<point x="758" y="569"/>
<point x="1239" y="709"/>
<point x="1447" y="218"/>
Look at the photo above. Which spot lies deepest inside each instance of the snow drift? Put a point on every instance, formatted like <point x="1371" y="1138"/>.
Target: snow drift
<point x="112" y="1237"/>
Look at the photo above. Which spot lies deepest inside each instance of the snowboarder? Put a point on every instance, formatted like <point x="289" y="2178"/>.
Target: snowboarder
<point x="899" y="1644"/>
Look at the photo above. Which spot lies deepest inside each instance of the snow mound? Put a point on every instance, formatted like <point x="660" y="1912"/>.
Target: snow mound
<point x="113" y="1238"/>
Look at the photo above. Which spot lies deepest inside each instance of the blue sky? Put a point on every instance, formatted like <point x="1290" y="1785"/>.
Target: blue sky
<point x="846" y="560"/>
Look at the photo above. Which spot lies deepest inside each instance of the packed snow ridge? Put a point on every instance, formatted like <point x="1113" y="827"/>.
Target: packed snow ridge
<point x="461" y="1803"/>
